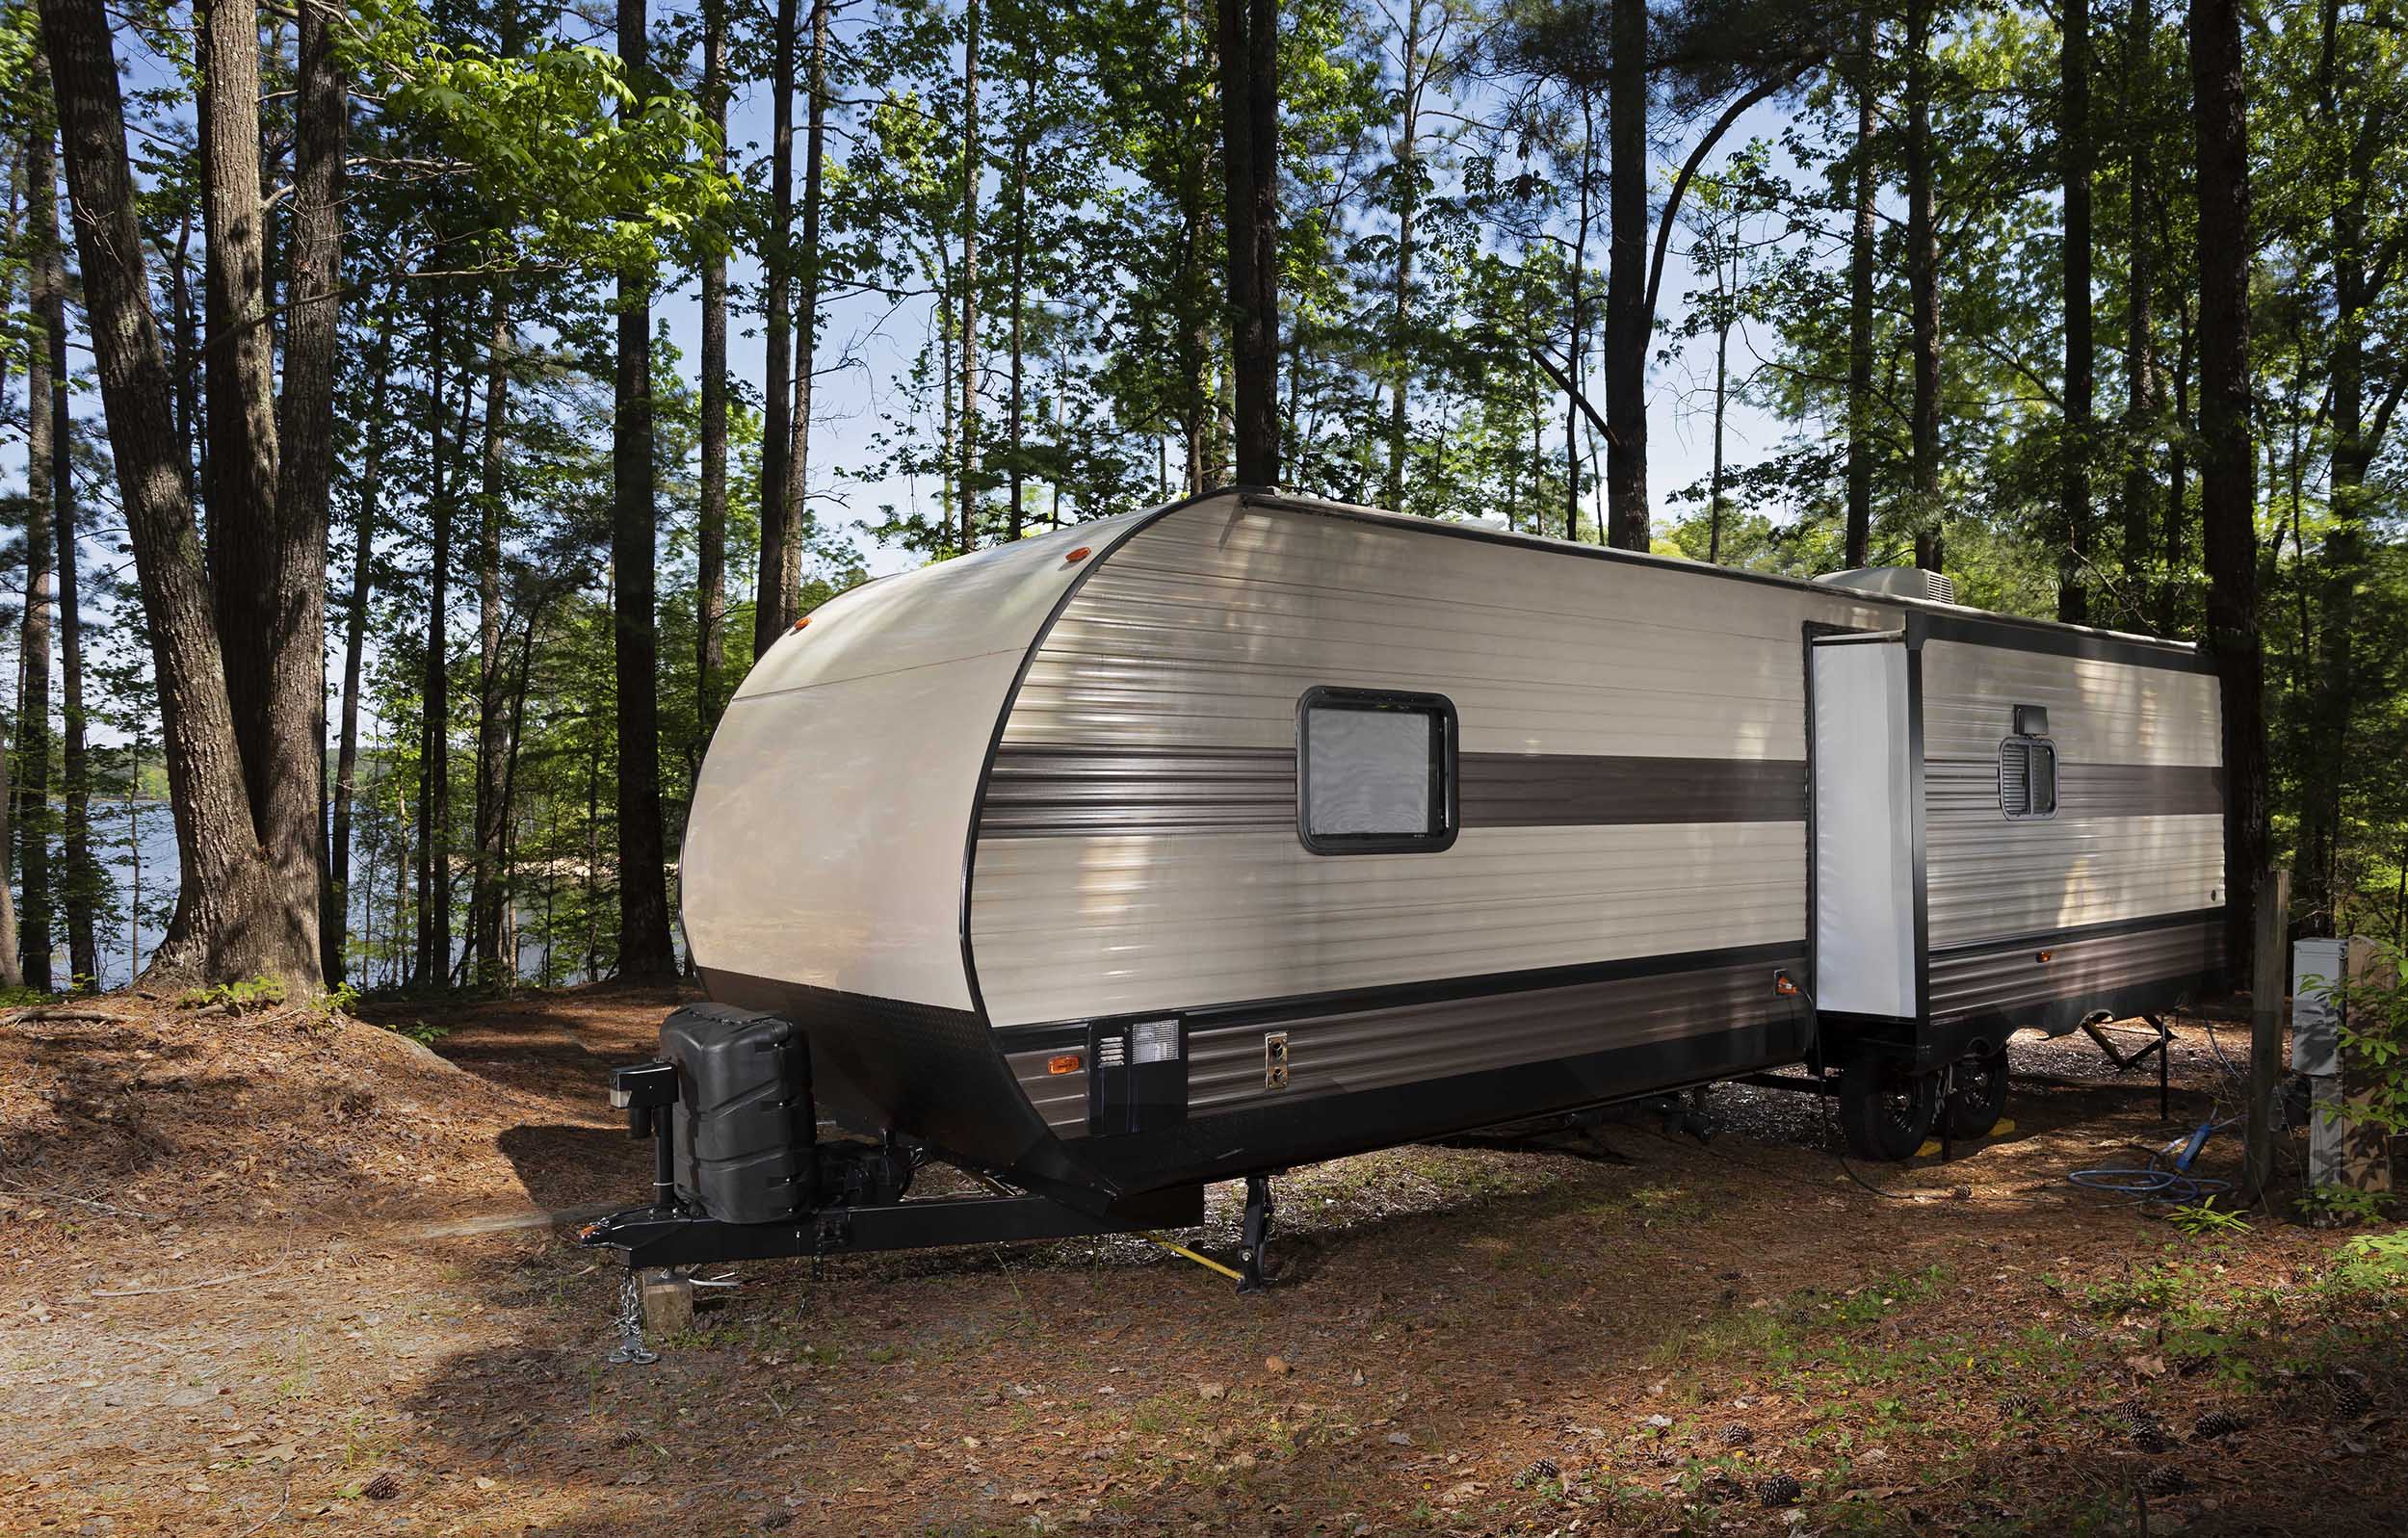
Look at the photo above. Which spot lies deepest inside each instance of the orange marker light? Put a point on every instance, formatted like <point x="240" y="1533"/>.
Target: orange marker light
<point x="2045" y="956"/>
<point x="1080" y="553"/>
<point x="1785" y="985"/>
<point x="1069" y="1062"/>
<point x="804" y="621"/>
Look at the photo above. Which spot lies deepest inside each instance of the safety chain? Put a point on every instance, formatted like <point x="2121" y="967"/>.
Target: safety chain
<point x="631" y="1347"/>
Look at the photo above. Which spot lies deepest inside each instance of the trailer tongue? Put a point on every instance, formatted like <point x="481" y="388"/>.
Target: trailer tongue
<point x="739" y="1172"/>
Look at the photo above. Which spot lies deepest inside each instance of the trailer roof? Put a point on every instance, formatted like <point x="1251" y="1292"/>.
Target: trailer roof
<point x="1267" y="497"/>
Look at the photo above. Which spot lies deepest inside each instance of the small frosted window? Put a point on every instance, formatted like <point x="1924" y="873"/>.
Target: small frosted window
<point x="1375" y="772"/>
<point x="2027" y="779"/>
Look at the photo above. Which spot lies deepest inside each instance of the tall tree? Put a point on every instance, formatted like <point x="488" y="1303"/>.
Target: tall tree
<point x="232" y="918"/>
<point x="488" y="890"/>
<point x="46" y="395"/>
<point x="2138" y="495"/>
<point x="645" y="950"/>
<point x="809" y="267"/>
<point x="291" y="814"/>
<point x="371" y="484"/>
<point x="1627" y="320"/>
<point x="2075" y="156"/>
<point x="1922" y="281"/>
<point x="1249" y="94"/>
<point x="79" y="884"/>
<point x="1860" y="263"/>
<point x="973" y="165"/>
<point x="711" y="516"/>
<point x="2227" y="490"/>
<point x="772" y="596"/>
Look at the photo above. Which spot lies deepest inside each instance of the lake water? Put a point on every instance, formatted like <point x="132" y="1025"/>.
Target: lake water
<point x="143" y="836"/>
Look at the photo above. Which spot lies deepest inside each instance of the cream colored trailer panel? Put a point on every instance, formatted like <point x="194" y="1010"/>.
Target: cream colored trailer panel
<point x="827" y="838"/>
<point x="2139" y="830"/>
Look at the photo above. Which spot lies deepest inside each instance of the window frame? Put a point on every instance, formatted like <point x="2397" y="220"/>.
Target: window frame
<point x="2057" y="798"/>
<point x="1445" y="799"/>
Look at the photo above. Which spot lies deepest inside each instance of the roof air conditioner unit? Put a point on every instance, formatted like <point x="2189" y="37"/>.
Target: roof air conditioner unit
<point x="1895" y="582"/>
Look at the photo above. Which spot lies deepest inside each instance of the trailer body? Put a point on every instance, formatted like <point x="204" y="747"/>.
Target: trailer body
<point x="1253" y="830"/>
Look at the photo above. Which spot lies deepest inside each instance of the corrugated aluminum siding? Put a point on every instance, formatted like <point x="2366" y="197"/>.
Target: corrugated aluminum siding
<point x="1198" y="636"/>
<point x="2139" y="829"/>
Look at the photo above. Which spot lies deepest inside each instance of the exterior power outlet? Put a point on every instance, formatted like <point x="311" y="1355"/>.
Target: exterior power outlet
<point x="1275" y="1059"/>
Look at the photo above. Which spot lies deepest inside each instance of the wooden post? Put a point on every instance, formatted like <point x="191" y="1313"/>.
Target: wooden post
<point x="2269" y="982"/>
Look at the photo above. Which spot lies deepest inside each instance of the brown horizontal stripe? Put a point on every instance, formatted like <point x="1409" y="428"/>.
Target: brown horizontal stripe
<point x="1041" y="790"/>
<point x="2085" y="790"/>
<point x="1558" y="789"/>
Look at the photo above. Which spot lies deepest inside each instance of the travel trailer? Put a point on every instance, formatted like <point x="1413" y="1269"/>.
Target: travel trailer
<point x="1255" y="830"/>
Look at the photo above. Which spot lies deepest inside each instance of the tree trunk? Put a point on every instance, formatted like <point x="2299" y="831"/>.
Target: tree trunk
<point x="711" y="531"/>
<point x="2075" y="154"/>
<point x="1860" y="303"/>
<point x="1626" y="296"/>
<point x="972" y="160"/>
<point x="354" y="642"/>
<point x="292" y="813"/>
<point x="1408" y="202"/>
<point x="238" y="384"/>
<point x="12" y="966"/>
<point x="2178" y="438"/>
<point x="489" y="895"/>
<point x="2139" y="493"/>
<point x="1249" y="91"/>
<point x="645" y="950"/>
<point x="806" y="322"/>
<point x="2332" y="692"/>
<point x="229" y="924"/>
<point x="434" y="697"/>
<point x="1923" y="277"/>
<point x="45" y="396"/>
<point x="80" y="884"/>
<point x="1575" y="345"/>
<point x="2226" y="489"/>
<point x="770" y="594"/>
<point x="1022" y="131"/>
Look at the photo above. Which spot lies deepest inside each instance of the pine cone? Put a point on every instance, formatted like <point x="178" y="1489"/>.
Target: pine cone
<point x="2018" y="1404"/>
<point x="2165" y="1481"/>
<point x="1779" y="1490"/>
<point x="2217" y="1424"/>
<point x="2352" y="1395"/>
<point x="1537" y="1471"/>
<point x="1735" y="1435"/>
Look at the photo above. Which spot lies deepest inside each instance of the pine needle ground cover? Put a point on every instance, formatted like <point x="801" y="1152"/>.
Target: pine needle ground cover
<point x="244" y="1295"/>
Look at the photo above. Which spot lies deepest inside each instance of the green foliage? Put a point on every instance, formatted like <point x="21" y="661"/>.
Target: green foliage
<point x="418" y="1030"/>
<point x="248" y="997"/>
<point x="2372" y="1262"/>
<point x="2205" y="1220"/>
<point x="557" y="141"/>
<point x="2330" y="1205"/>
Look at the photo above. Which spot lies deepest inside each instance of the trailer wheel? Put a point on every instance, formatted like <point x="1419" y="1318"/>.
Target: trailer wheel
<point x="1976" y="1097"/>
<point x="1886" y="1105"/>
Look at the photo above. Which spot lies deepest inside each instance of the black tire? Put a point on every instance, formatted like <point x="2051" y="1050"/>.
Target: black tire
<point x="1886" y="1105"/>
<point x="1976" y="1097"/>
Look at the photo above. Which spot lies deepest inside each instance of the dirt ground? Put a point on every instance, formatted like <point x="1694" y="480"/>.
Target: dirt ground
<point x="262" y="1271"/>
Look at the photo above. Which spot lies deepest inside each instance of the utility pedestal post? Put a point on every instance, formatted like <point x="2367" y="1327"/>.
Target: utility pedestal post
<point x="2268" y="979"/>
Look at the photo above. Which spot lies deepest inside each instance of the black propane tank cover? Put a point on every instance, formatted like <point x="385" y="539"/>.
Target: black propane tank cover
<point x="745" y="1118"/>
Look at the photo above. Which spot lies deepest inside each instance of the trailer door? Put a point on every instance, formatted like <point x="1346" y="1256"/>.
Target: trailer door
<point x="1863" y="888"/>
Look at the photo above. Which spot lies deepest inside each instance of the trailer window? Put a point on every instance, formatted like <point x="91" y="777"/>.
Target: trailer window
<point x="1376" y="772"/>
<point x="2027" y="779"/>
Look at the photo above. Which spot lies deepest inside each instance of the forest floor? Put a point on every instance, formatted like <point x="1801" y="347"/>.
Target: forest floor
<point x="265" y="1271"/>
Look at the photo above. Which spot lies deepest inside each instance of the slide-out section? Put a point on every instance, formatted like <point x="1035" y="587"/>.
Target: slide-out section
<point x="1864" y="848"/>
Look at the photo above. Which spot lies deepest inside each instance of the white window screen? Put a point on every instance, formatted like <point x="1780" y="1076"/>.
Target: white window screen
<point x="1374" y="774"/>
<point x="2027" y="779"/>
